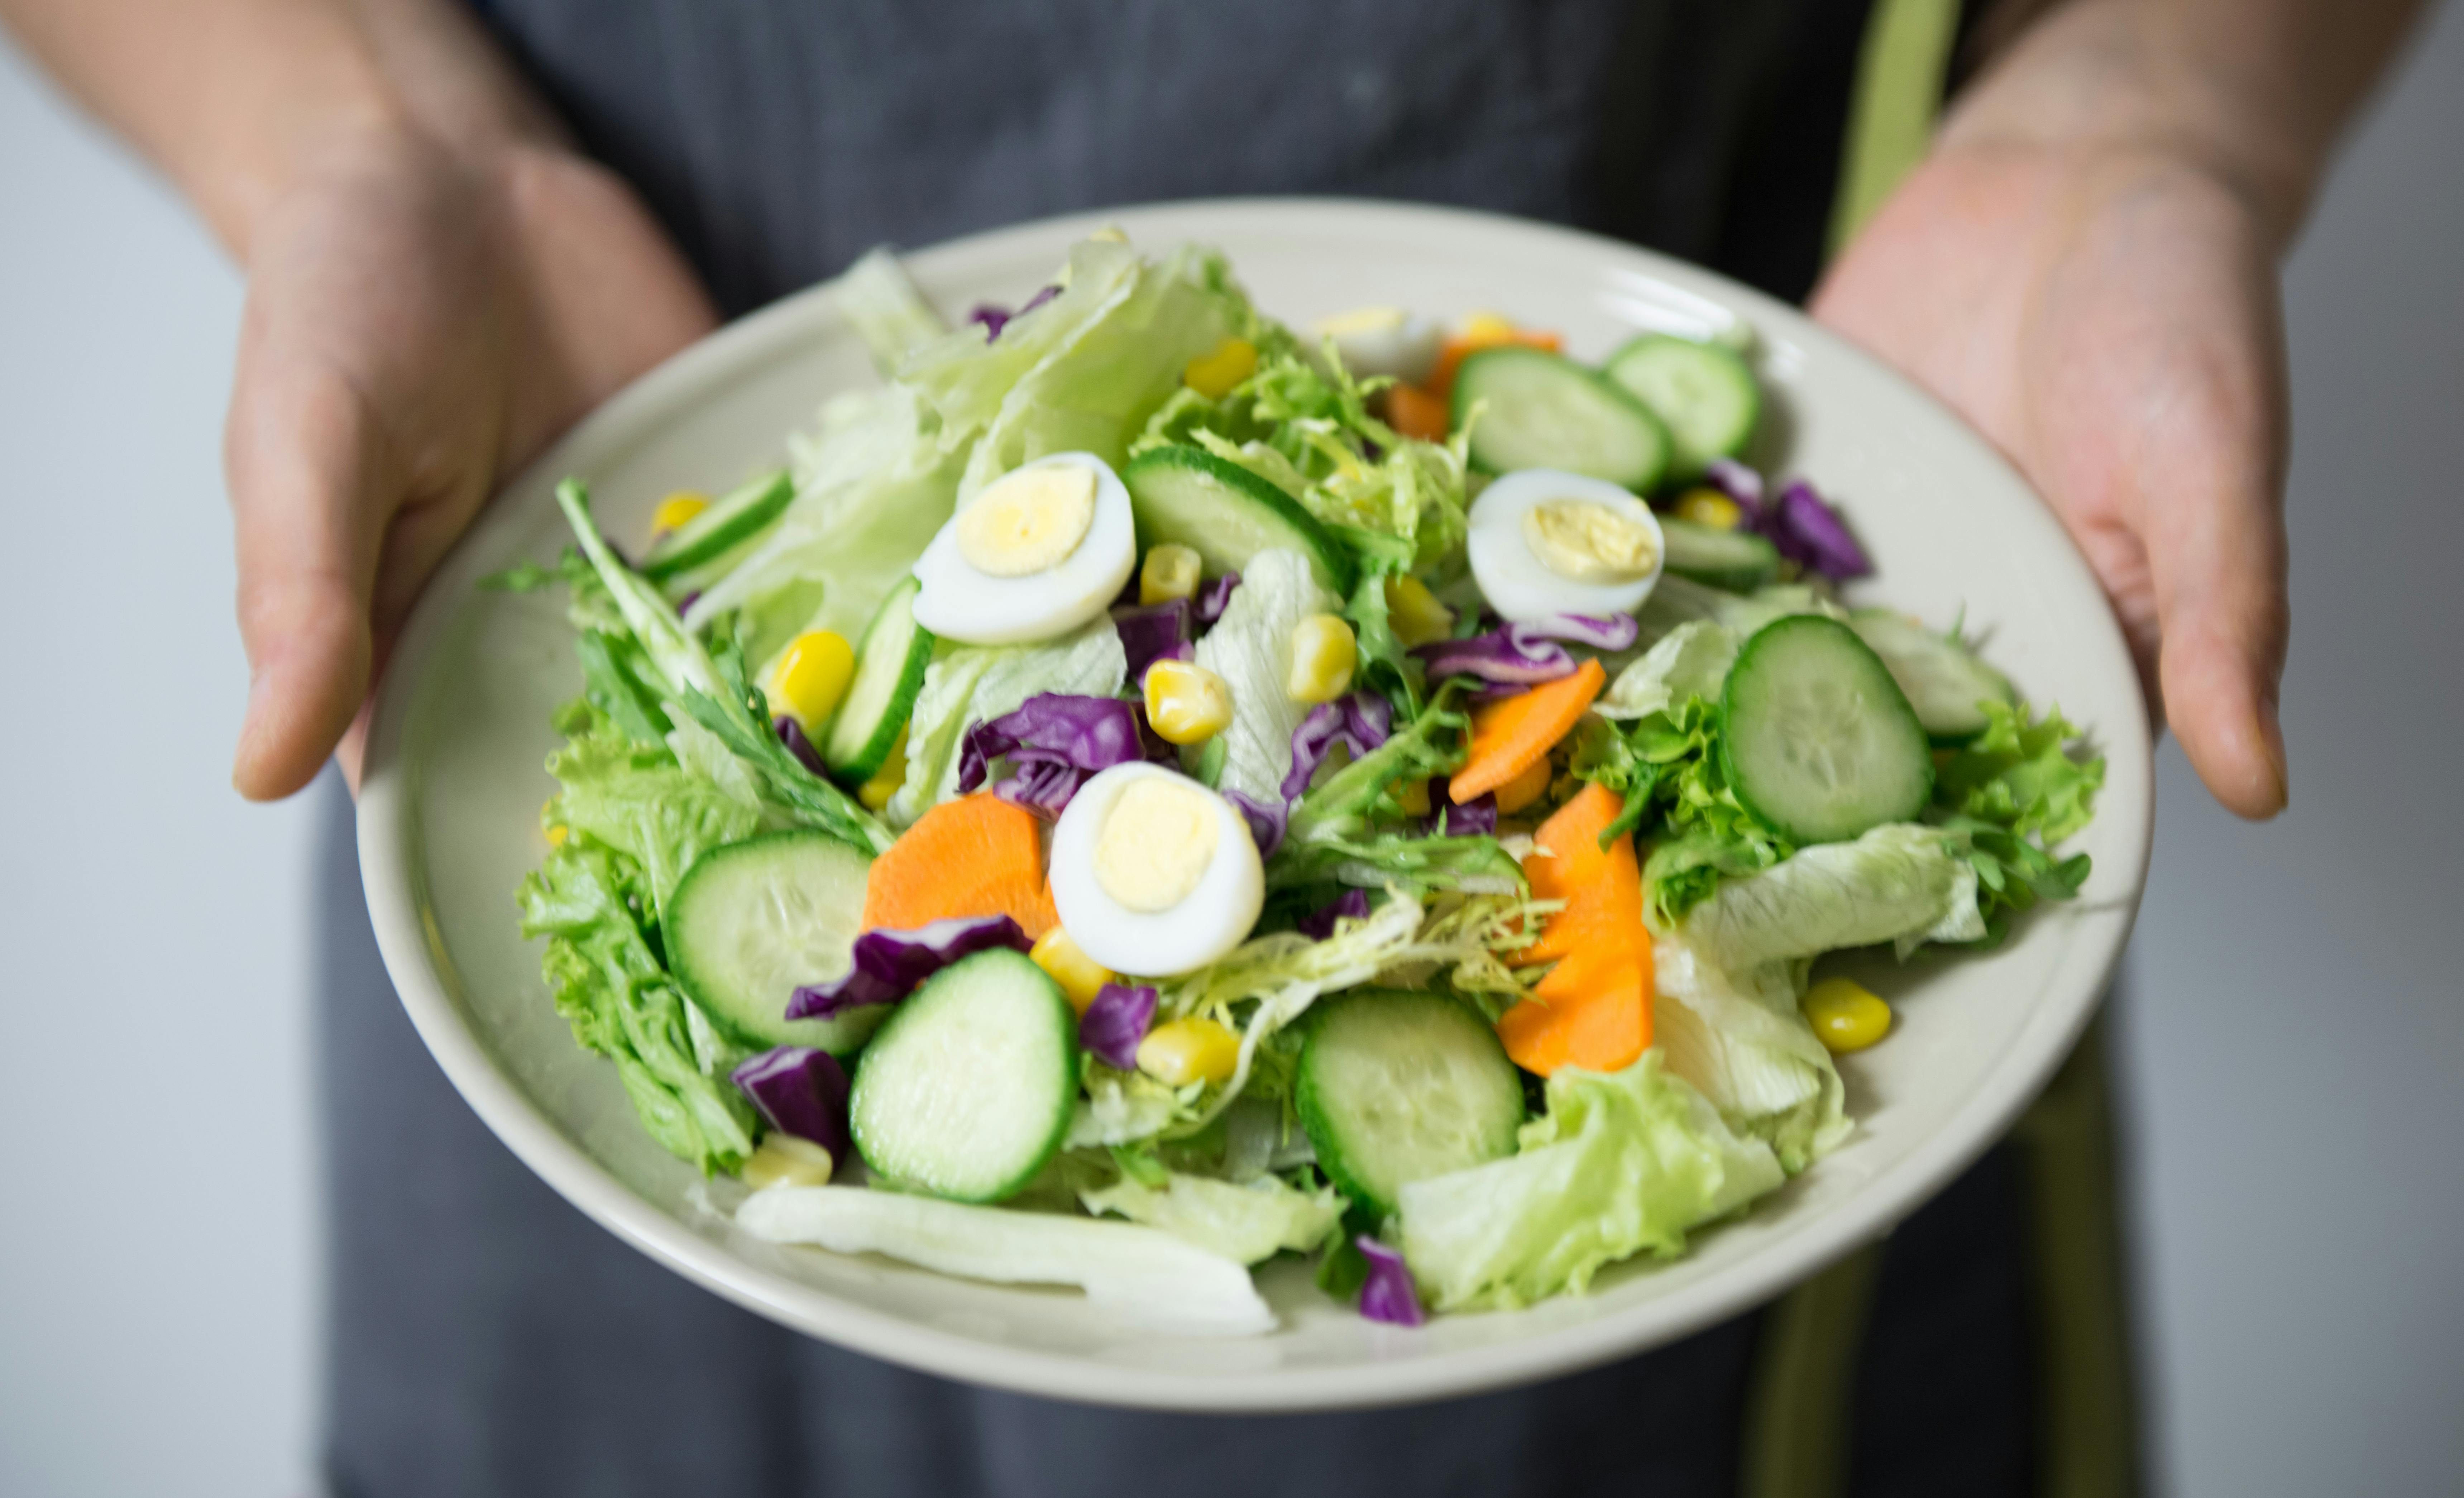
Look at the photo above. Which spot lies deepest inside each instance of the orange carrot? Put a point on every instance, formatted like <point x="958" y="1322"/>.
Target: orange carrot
<point x="1525" y="789"/>
<point x="1513" y="733"/>
<point x="976" y="856"/>
<point x="1596" y="883"/>
<point x="1594" y="1009"/>
<point x="1421" y="413"/>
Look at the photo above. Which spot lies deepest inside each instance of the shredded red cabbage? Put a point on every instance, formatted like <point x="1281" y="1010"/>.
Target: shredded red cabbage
<point x="1349" y="905"/>
<point x="1266" y="822"/>
<point x="1525" y="653"/>
<point x="994" y="319"/>
<point x="1360" y="722"/>
<point x="1158" y="632"/>
<point x="801" y="1092"/>
<point x="1113" y="1024"/>
<point x="889" y="964"/>
<point x="1476" y="817"/>
<point x="1388" y="1295"/>
<point x="1810" y="533"/>
<point x="1214" y="595"/>
<point x="1054" y="744"/>
<point x="792" y="733"/>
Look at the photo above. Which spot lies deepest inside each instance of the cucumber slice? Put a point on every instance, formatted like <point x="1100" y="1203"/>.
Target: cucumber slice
<point x="1739" y="560"/>
<point x="754" y="920"/>
<point x="1944" y="680"/>
<point x="890" y="663"/>
<point x="1704" y="393"/>
<point x="1226" y="513"/>
<point x="1397" y="1086"/>
<point x="1547" y="412"/>
<point x="967" y="1090"/>
<point x="733" y="522"/>
<point x="1817" y="741"/>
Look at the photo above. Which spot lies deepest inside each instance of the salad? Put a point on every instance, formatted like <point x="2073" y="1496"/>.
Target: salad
<point x="1145" y="792"/>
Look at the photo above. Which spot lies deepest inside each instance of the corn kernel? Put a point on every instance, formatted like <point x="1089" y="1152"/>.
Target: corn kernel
<point x="1214" y="375"/>
<point x="784" y="1159"/>
<point x="1709" y="507"/>
<point x="1322" y="655"/>
<point x="1186" y="703"/>
<point x="1081" y="977"/>
<point x="1182" y="1051"/>
<point x="875" y="793"/>
<point x="1486" y="327"/>
<point x="557" y="834"/>
<point x="1846" y="1015"/>
<point x="812" y="676"/>
<point x="1525" y="789"/>
<point x="1169" y="572"/>
<point x="1415" y="614"/>
<point x="1412" y="797"/>
<point x="675" y="511"/>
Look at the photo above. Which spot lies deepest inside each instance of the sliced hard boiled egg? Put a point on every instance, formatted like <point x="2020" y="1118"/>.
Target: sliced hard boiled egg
<point x="1385" y="340"/>
<point x="1544" y="542"/>
<point x="1038" y="552"/>
<point x="1153" y="874"/>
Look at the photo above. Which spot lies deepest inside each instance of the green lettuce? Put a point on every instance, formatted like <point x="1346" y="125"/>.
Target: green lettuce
<point x="893" y="317"/>
<point x="1690" y="661"/>
<point x="1246" y="1222"/>
<point x="639" y="799"/>
<point x="1899" y="883"/>
<point x="1621" y="1163"/>
<point x="2009" y="798"/>
<point x="1742" y="1042"/>
<point x="976" y="683"/>
<point x="1251" y="649"/>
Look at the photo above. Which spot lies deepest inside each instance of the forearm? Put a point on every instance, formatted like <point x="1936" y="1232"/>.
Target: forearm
<point x="2256" y="92"/>
<point x="237" y="101"/>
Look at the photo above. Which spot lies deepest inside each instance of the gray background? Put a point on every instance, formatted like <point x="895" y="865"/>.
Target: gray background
<point x="2290" y="1040"/>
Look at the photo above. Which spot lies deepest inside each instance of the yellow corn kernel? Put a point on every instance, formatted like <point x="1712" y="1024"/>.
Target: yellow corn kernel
<point x="1412" y="797"/>
<point x="676" y="510"/>
<point x="784" y="1159"/>
<point x="1195" y="1050"/>
<point x="1322" y="655"/>
<point x="812" y="676"/>
<point x="1415" y="614"/>
<point x="875" y="793"/>
<point x="1708" y="507"/>
<point x="1081" y="977"/>
<point x="1214" y="375"/>
<point x="1525" y="789"/>
<point x="1169" y="572"/>
<point x="1846" y="1015"/>
<point x="557" y="834"/>
<point x="1486" y="327"/>
<point x="1186" y="703"/>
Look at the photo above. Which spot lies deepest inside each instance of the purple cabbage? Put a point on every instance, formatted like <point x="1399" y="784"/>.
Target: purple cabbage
<point x="1113" y="1024"/>
<point x="1476" y="817"/>
<point x="1737" y="481"/>
<point x="1214" y="595"/>
<point x="1265" y="823"/>
<point x="1349" y="905"/>
<point x="889" y="964"/>
<point x="1156" y="633"/>
<point x="1525" y="653"/>
<point x="1388" y="1295"/>
<point x="1054" y="744"/>
<point x="1810" y="533"/>
<point x="1360" y="722"/>
<point x="801" y="1092"/>
<point x="792" y="733"/>
<point x="994" y="318"/>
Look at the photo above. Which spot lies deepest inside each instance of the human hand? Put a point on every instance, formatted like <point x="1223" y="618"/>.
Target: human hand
<point x="419" y="324"/>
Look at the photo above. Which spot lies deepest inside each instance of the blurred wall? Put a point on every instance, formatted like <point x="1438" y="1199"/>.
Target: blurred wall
<point x="2291" y="1041"/>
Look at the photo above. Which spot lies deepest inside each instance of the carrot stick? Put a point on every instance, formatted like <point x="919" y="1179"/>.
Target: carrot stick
<point x="976" y="856"/>
<point x="1421" y="413"/>
<point x="1513" y="733"/>
<point x="1594" y="1009"/>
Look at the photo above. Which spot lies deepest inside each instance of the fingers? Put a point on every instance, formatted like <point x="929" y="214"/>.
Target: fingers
<point x="2218" y="567"/>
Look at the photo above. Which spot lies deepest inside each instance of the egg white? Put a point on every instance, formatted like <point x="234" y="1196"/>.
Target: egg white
<point x="959" y="603"/>
<point x="1518" y="585"/>
<point x="1215" y="917"/>
<point x="1406" y="348"/>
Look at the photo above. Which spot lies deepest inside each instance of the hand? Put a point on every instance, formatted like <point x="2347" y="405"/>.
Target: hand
<point x="2108" y="314"/>
<point x="418" y="324"/>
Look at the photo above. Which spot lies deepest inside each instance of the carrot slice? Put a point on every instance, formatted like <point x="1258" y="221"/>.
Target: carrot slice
<point x="974" y="856"/>
<point x="1601" y="888"/>
<point x="1513" y="733"/>
<point x="1594" y="1009"/>
<point x="1421" y="413"/>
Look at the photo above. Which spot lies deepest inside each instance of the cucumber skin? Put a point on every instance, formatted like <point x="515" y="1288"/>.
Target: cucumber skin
<point x="1332" y="561"/>
<point x="1727" y="735"/>
<point x="847" y="1033"/>
<point x="918" y="1009"/>
<point x="1736" y="578"/>
<point x="1464" y="396"/>
<point x="866" y="761"/>
<point x="1677" y="469"/>
<point x="778" y="492"/>
<point x="1324" y="1134"/>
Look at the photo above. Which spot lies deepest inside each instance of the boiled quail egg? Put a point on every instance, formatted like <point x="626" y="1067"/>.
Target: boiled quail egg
<point x="1385" y="340"/>
<point x="1038" y="552"/>
<point x="1544" y="541"/>
<point x="1153" y="874"/>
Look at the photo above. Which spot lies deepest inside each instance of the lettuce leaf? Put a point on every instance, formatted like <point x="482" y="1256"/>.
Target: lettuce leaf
<point x="1251" y="649"/>
<point x="1690" y="661"/>
<point x="1900" y="883"/>
<point x="888" y="312"/>
<point x="973" y="684"/>
<point x="638" y="800"/>
<point x="1743" y="1042"/>
<point x="2009" y="798"/>
<point x="1621" y="1163"/>
<point x="1246" y="1222"/>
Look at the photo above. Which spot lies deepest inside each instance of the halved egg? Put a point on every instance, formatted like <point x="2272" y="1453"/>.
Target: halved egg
<point x="1384" y="340"/>
<point x="1038" y="552"/>
<point x="1153" y="874"/>
<point x="1544" y="541"/>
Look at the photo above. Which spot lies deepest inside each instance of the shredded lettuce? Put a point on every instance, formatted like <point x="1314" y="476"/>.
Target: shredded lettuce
<point x="1245" y="1223"/>
<point x="1251" y="649"/>
<point x="975" y="684"/>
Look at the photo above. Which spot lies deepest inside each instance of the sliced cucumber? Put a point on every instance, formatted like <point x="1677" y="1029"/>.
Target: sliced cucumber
<point x="1546" y="411"/>
<point x="967" y="1090"/>
<point x="1817" y="741"/>
<point x="1397" y="1086"/>
<point x="890" y="663"/>
<point x="733" y="522"/>
<point x="1704" y="394"/>
<point x="1944" y="680"/>
<point x="753" y="921"/>
<point x="1226" y="513"/>
<point x="1739" y="560"/>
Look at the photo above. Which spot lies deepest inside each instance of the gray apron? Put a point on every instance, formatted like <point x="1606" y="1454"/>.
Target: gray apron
<point x="486" y="1339"/>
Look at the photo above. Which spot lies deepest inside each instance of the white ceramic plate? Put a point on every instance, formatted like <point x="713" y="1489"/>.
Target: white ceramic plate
<point x="450" y="811"/>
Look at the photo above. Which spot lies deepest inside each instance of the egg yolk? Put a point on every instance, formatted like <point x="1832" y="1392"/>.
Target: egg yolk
<point x="1583" y="541"/>
<point x="1157" y="838"/>
<point x="1028" y="522"/>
